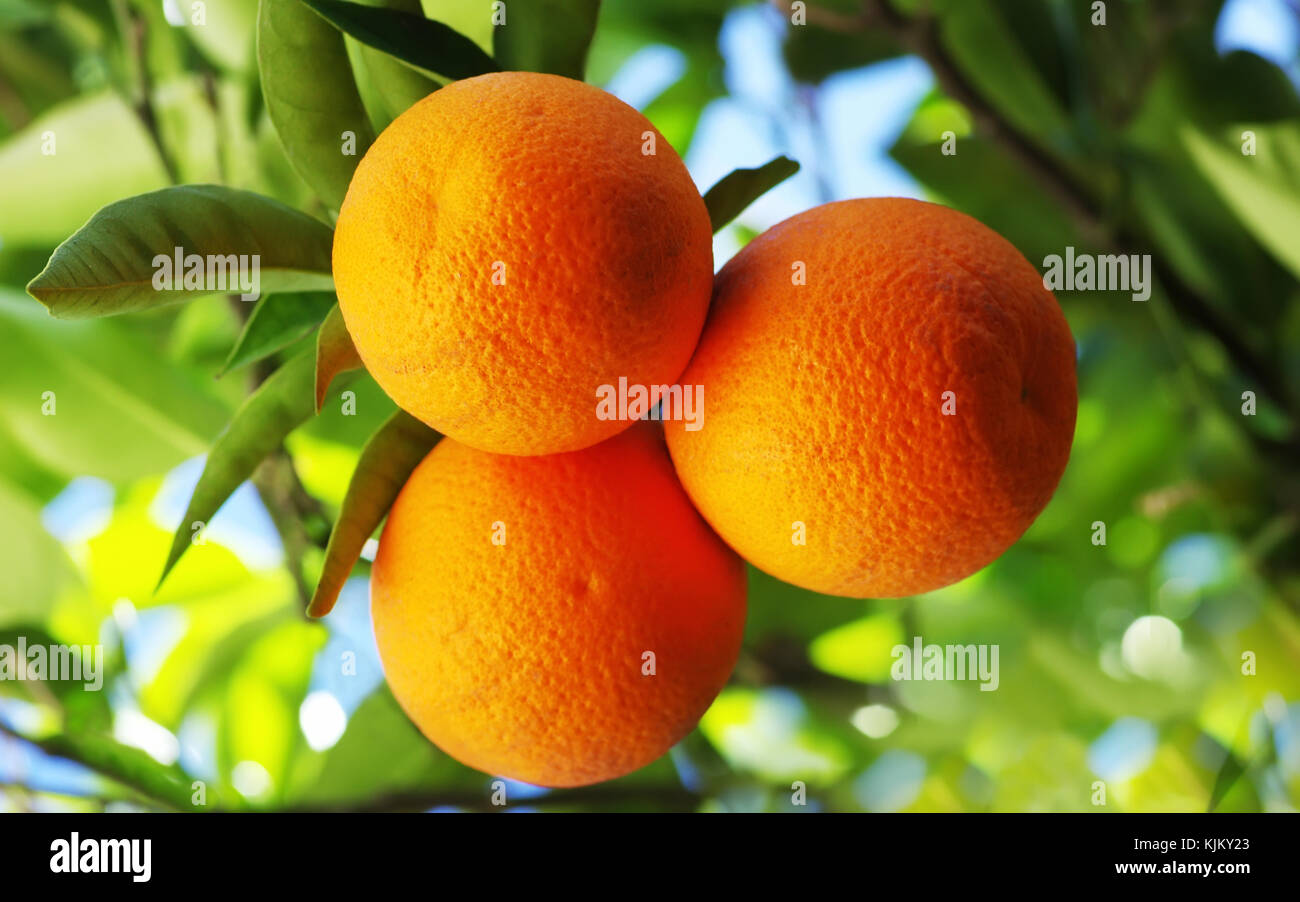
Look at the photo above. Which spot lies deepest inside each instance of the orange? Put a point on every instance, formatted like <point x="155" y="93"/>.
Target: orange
<point x="510" y="244"/>
<point x="561" y="619"/>
<point x="894" y="423"/>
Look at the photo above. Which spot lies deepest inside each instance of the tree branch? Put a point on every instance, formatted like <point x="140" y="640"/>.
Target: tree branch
<point x="160" y="793"/>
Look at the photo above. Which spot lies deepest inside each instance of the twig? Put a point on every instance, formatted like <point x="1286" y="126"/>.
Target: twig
<point x="214" y="103"/>
<point x="282" y="493"/>
<point x="136" y="29"/>
<point x="297" y="515"/>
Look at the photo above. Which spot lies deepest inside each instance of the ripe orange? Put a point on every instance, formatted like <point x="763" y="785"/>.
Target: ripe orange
<point x="506" y="248"/>
<point x="529" y="658"/>
<point x="827" y="405"/>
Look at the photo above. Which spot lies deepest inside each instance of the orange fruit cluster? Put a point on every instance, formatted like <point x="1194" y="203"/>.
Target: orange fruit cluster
<point x="889" y="402"/>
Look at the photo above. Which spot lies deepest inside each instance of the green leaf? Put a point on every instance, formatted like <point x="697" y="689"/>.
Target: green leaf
<point x="1184" y="217"/>
<point x="108" y="265"/>
<point x="740" y="188"/>
<point x="335" y="353"/>
<point x="276" y="322"/>
<point x="386" y="462"/>
<point x="976" y="36"/>
<point x="1224" y="780"/>
<point x="93" y="398"/>
<point x="311" y="96"/>
<point x="1262" y="190"/>
<point x="1234" y="768"/>
<point x="280" y="405"/>
<point x="388" y="86"/>
<point x="417" y="41"/>
<point x="1050" y="37"/>
<point x="546" y="36"/>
